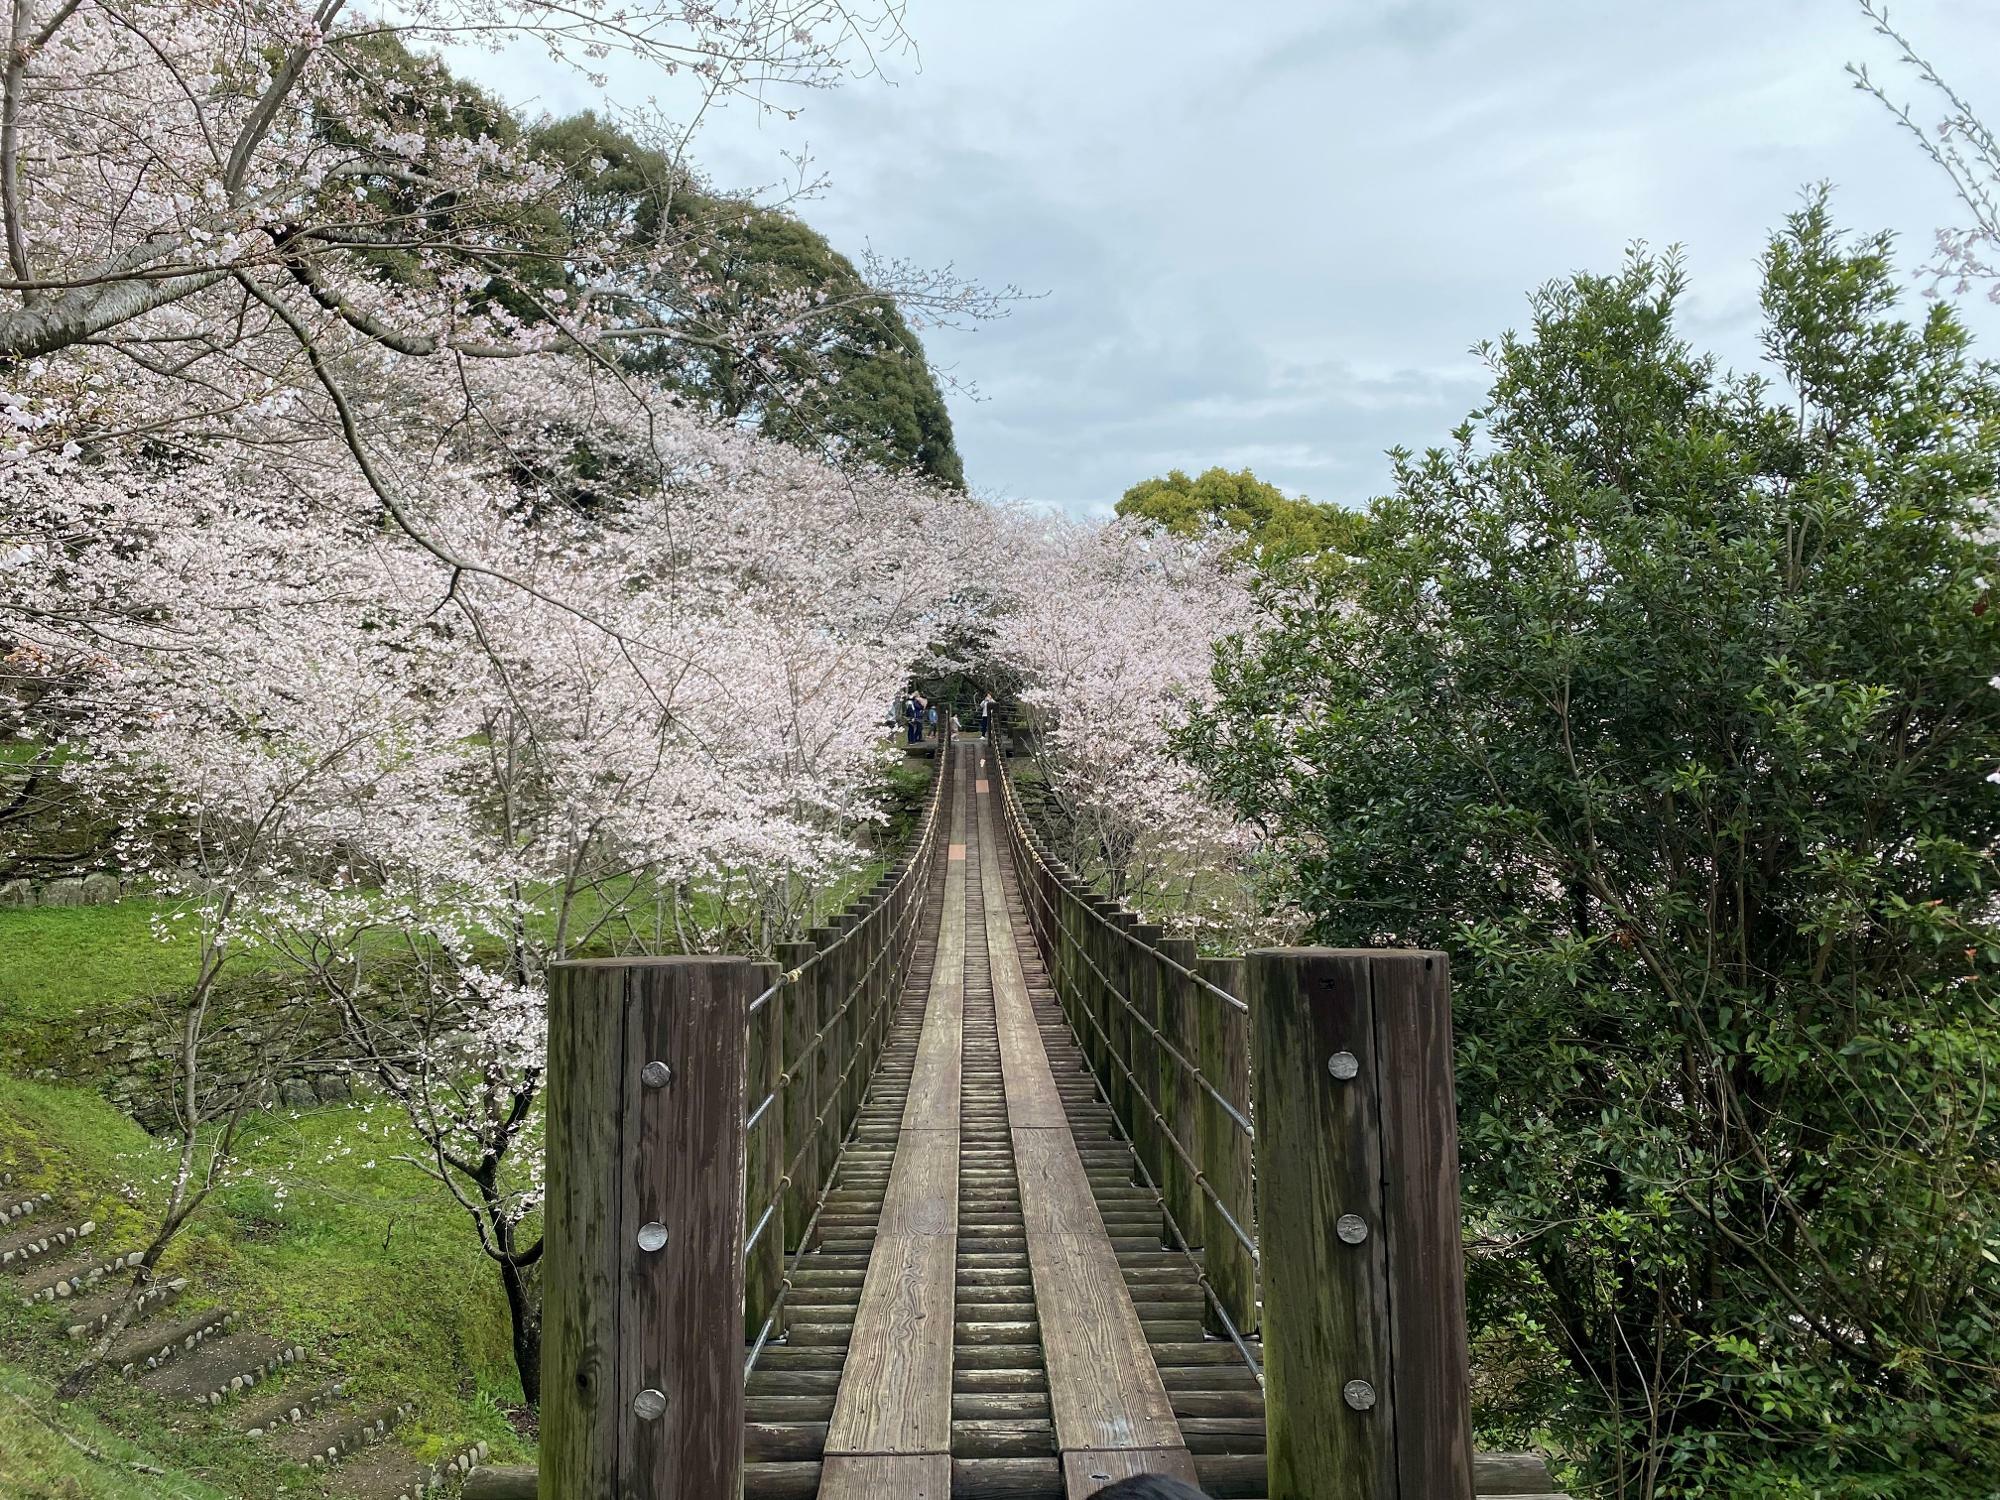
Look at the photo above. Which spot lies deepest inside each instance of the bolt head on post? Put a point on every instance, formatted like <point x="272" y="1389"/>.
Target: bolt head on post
<point x="1351" y="1228"/>
<point x="1358" y="1394"/>
<point x="656" y="1075"/>
<point x="1343" y="1065"/>
<point x="649" y="1405"/>
<point x="652" y="1236"/>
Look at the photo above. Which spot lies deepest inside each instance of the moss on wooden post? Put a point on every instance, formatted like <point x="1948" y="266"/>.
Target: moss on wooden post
<point x="1357" y="1163"/>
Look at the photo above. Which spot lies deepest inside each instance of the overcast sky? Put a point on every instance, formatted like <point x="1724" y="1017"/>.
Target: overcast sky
<point x="1268" y="233"/>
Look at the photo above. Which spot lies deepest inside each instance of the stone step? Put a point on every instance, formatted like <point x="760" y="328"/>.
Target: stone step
<point x="332" y="1435"/>
<point x="390" y="1473"/>
<point x="288" y="1406"/>
<point x="86" y="1317"/>
<point x="220" y="1368"/>
<point x="23" y="1247"/>
<point x="13" y="1210"/>
<point x="54" y="1279"/>
<point x="142" y="1349"/>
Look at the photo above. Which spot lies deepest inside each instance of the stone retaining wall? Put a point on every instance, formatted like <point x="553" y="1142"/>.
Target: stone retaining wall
<point x="98" y="889"/>
<point x="126" y="1052"/>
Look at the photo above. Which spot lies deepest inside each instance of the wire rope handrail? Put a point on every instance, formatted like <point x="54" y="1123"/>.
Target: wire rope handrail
<point x="1044" y="921"/>
<point x="910" y="890"/>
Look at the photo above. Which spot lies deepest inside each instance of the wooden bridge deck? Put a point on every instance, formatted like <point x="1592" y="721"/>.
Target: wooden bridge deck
<point x="962" y="1281"/>
<point x="990" y="1311"/>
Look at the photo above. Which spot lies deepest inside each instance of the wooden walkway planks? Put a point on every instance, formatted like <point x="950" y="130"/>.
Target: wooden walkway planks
<point x="890" y="1432"/>
<point x="1111" y="1411"/>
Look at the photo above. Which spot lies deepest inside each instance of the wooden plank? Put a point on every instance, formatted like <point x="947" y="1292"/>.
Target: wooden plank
<point x="882" y="1476"/>
<point x="1223" y="1054"/>
<point x="1511" y="1474"/>
<point x="894" y="1399"/>
<point x="895" y="1392"/>
<point x="922" y="1196"/>
<point x="580" y="1299"/>
<point x="1105" y="1392"/>
<point x="801" y="1094"/>
<point x="1354" y="1095"/>
<point x="1086" y="1472"/>
<point x="764" y="1160"/>
<point x="1423" y="1224"/>
<point x="682" y="1313"/>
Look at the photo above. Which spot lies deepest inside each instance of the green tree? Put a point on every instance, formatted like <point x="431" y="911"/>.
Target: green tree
<point x="1663" y="699"/>
<point x="845" y="374"/>
<point x="1275" y="527"/>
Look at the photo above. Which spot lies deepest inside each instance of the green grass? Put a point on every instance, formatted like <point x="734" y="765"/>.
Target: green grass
<point x="373" y="1268"/>
<point x="52" y="1450"/>
<point x="53" y="956"/>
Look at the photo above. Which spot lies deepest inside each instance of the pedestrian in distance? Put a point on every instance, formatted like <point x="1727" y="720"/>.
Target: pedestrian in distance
<point x="986" y="715"/>
<point x="913" y="718"/>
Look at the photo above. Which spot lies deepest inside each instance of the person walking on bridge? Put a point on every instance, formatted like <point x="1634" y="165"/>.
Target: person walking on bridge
<point x="986" y="715"/>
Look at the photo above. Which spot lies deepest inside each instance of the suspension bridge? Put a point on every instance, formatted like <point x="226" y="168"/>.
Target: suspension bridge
<point x="991" y="1189"/>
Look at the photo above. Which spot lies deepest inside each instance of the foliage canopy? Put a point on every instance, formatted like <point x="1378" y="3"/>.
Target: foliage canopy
<point x="833" y="363"/>
<point x="1274" y="526"/>
<point x="1663" y="699"/>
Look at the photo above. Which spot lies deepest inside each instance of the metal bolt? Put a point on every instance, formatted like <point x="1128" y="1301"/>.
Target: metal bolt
<point x="649" y="1405"/>
<point x="1358" y="1394"/>
<point x="1352" y="1228"/>
<point x="1343" y="1065"/>
<point x="656" y="1075"/>
<point x="652" y="1236"/>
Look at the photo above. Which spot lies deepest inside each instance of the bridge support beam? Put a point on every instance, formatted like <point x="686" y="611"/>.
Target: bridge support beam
<point x="642" y="1388"/>
<point x="1365" y="1357"/>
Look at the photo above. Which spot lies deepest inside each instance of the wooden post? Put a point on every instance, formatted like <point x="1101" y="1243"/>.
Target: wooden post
<point x="1365" y="1362"/>
<point x="801" y="1095"/>
<point x="1118" y="965"/>
<point x="1148" y="1062"/>
<point x="846" y="1030"/>
<point x="764" y="1157"/>
<point x="642" y="1390"/>
<point x="1180" y="1095"/>
<point x="887" y="985"/>
<point x="1097" y="929"/>
<point x="825" y="982"/>
<point x="1076" y="972"/>
<point x="1222" y="1051"/>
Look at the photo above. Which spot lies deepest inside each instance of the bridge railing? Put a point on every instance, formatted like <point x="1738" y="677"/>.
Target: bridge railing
<point x="698" y="1110"/>
<point x="1294" y="1111"/>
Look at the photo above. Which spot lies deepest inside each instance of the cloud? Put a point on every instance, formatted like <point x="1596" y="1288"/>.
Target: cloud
<point x="1270" y="235"/>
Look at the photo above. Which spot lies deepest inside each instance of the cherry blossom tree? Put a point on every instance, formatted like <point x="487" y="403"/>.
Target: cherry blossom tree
<point x="1960" y="144"/>
<point x="1111" y="629"/>
<point x="263" y="225"/>
<point x="665" y="713"/>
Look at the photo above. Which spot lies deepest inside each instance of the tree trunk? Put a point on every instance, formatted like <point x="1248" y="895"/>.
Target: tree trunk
<point x="524" y="1312"/>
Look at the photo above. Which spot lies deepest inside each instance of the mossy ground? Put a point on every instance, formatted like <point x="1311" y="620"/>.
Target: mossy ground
<point x="320" y="1237"/>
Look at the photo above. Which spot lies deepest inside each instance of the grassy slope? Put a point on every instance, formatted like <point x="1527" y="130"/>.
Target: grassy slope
<point x="52" y="1453"/>
<point x="53" y="957"/>
<point x="372" y="1268"/>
